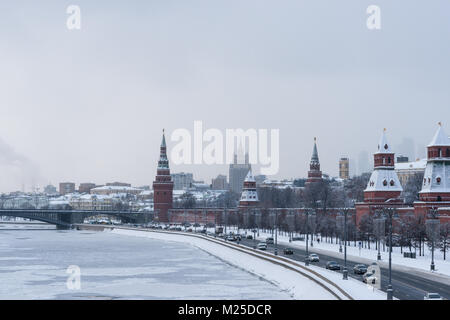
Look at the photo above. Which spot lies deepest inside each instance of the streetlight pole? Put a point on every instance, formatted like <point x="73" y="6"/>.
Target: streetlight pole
<point x="433" y="227"/>
<point x="307" y="232"/>
<point x="345" y="271"/>
<point x="276" y="232"/>
<point x="390" y="291"/>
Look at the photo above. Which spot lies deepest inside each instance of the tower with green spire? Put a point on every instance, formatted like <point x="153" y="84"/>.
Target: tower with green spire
<point x="163" y="185"/>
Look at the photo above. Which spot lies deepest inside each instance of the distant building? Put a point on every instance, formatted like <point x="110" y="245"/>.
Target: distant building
<point x="260" y="179"/>
<point x="405" y="170"/>
<point x="344" y="168"/>
<point x="237" y="174"/>
<point x="107" y="190"/>
<point x="86" y="187"/>
<point x="50" y="189"/>
<point x="118" y="184"/>
<point x="219" y="183"/>
<point x="66" y="187"/>
<point x="182" y="180"/>
<point x="402" y="159"/>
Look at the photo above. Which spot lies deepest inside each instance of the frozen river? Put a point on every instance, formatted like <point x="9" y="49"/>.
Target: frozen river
<point x="33" y="265"/>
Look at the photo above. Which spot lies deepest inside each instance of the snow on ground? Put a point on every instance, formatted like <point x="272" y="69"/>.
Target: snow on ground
<point x="300" y="287"/>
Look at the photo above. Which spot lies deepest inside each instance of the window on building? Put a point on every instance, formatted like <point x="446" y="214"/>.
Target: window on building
<point x="438" y="180"/>
<point x="439" y="198"/>
<point x="385" y="183"/>
<point x="392" y="183"/>
<point x="447" y="153"/>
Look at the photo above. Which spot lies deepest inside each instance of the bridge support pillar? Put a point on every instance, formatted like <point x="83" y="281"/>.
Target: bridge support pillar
<point x="61" y="227"/>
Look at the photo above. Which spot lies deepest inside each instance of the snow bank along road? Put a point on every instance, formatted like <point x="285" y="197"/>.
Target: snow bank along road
<point x="299" y="281"/>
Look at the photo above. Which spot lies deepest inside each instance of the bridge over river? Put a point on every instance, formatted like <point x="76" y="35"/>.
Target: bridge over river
<point x="65" y="219"/>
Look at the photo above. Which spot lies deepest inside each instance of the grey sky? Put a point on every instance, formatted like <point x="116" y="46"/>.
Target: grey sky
<point x="90" y="105"/>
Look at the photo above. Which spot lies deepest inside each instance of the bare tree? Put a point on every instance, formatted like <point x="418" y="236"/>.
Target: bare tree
<point x="412" y="188"/>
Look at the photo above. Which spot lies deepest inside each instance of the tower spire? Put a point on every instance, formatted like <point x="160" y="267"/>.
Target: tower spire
<point x="314" y="173"/>
<point x="163" y="142"/>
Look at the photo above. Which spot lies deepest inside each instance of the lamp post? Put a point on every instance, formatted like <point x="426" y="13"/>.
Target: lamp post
<point x="432" y="224"/>
<point x="344" y="227"/>
<point x="307" y="232"/>
<point x="340" y="227"/>
<point x="390" y="213"/>
<point x="308" y="212"/>
<point x="379" y="227"/>
<point x="273" y="220"/>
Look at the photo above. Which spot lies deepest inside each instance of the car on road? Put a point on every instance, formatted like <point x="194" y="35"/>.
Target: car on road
<point x="238" y="237"/>
<point x="287" y="251"/>
<point x="298" y="238"/>
<point x="230" y="238"/>
<point x="250" y="237"/>
<point x="333" y="265"/>
<point x="262" y="246"/>
<point x="359" y="269"/>
<point x="432" y="296"/>
<point x="313" y="257"/>
<point x="369" y="278"/>
<point x="269" y="240"/>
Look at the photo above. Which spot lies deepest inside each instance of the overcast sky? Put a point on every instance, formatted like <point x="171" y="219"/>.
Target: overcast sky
<point x="89" y="105"/>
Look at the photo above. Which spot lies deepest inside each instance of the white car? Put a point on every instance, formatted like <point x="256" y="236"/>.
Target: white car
<point x="269" y="240"/>
<point x="262" y="246"/>
<point x="313" y="257"/>
<point x="432" y="296"/>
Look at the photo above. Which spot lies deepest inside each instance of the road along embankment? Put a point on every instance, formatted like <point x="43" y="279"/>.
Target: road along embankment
<point x="299" y="281"/>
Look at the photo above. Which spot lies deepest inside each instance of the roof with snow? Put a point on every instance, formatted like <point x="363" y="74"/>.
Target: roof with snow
<point x="250" y="177"/>
<point x="383" y="145"/>
<point x="412" y="165"/>
<point x="440" y="138"/>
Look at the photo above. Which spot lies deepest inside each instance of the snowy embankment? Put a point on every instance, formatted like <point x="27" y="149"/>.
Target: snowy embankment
<point x="303" y="283"/>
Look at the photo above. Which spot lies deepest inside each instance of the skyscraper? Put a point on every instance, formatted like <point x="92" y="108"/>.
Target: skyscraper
<point x="344" y="168"/>
<point x="237" y="174"/>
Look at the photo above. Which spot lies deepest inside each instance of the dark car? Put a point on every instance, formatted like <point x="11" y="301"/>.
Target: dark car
<point x="249" y="237"/>
<point x="287" y="251"/>
<point x="360" y="269"/>
<point x="333" y="265"/>
<point x="298" y="238"/>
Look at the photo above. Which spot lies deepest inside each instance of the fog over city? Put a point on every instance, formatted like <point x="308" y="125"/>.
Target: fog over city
<point x="90" y="105"/>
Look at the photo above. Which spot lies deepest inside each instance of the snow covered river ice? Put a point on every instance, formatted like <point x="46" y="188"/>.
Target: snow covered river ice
<point x="33" y="265"/>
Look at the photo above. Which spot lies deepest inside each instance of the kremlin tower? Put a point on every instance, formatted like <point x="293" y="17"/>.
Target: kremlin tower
<point x="436" y="182"/>
<point x="384" y="183"/>
<point x="163" y="185"/>
<point x="383" y="188"/>
<point x="314" y="173"/>
<point x="249" y="195"/>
